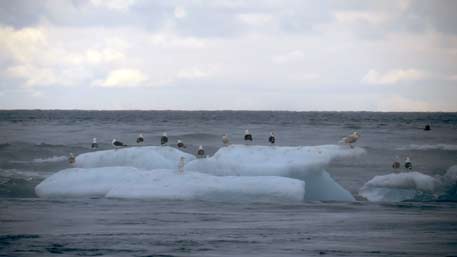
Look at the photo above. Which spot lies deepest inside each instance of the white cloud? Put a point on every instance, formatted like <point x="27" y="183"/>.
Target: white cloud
<point x="289" y="57"/>
<point x="171" y="40"/>
<point x="394" y="76"/>
<point x="255" y="19"/>
<point x="180" y="12"/>
<point x="34" y="76"/>
<point x="361" y="16"/>
<point x="401" y="104"/>
<point x="193" y="73"/>
<point x="118" y="5"/>
<point x="123" y="78"/>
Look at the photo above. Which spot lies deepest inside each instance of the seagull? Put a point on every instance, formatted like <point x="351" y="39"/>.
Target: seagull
<point x="118" y="144"/>
<point x="352" y="138"/>
<point x="71" y="158"/>
<point x="200" y="152"/>
<point x="225" y="140"/>
<point x="94" y="143"/>
<point x="140" y="139"/>
<point x="180" y="144"/>
<point x="408" y="164"/>
<point x="181" y="165"/>
<point x="247" y="136"/>
<point x="272" y="138"/>
<point x="164" y="139"/>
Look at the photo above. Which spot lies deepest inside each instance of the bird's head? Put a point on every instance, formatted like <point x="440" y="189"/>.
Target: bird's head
<point x="246" y="131"/>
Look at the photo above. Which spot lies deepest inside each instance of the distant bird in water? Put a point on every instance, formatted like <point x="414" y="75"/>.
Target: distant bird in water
<point x="247" y="136"/>
<point x="272" y="138"/>
<point x="71" y="159"/>
<point x="225" y="140"/>
<point x="352" y="138"/>
<point x="180" y="144"/>
<point x="140" y="139"/>
<point x="164" y="139"/>
<point x="408" y="163"/>
<point x="118" y="144"/>
<point x="94" y="143"/>
<point x="428" y="127"/>
<point x="200" y="152"/>
<point x="181" y="165"/>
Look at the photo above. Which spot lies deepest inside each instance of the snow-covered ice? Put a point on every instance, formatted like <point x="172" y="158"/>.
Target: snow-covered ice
<point x="147" y="157"/>
<point x="129" y="182"/>
<point x="411" y="186"/>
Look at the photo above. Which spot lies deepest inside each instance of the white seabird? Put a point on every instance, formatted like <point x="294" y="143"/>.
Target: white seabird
<point x="225" y="140"/>
<point x="71" y="158"/>
<point x="408" y="163"/>
<point x="118" y="144"/>
<point x="94" y="143"/>
<point x="200" y="152"/>
<point x="272" y="138"/>
<point x="140" y="139"/>
<point x="180" y="144"/>
<point x="164" y="139"/>
<point x="181" y="165"/>
<point x="352" y="138"/>
<point x="247" y="136"/>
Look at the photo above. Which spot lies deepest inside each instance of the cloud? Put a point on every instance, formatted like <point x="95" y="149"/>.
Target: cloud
<point x="289" y="57"/>
<point x="255" y="19"/>
<point x="123" y="78"/>
<point x="193" y="73"/>
<point x="118" y="5"/>
<point x="166" y="39"/>
<point x="361" y="16"/>
<point x="394" y="76"/>
<point x="398" y="103"/>
<point x="180" y="12"/>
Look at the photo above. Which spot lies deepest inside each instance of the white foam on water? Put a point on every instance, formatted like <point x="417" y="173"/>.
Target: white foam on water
<point x="444" y="147"/>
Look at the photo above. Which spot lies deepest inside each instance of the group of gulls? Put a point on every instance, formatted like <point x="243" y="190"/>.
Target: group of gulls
<point x="180" y="145"/>
<point x="348" y="140"/>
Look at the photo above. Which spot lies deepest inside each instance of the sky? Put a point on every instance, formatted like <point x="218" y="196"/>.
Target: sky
<point x="291" y="55"/>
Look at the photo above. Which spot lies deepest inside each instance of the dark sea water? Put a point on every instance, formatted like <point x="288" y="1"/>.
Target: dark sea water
<point x="35" y="144"/>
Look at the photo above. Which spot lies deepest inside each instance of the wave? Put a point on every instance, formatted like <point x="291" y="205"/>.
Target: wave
<point x="412" y="186"/>
<point x="444" y="147"/>
<point x="45" y="160"/>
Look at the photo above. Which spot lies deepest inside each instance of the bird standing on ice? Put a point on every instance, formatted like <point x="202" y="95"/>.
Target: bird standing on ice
<point x="117" y="144"/>
<point x="180" y="144"/>
<point x="94" y="143"/>
<point x="181" y="165"/>
<point x="408" y="163"/>
<point x="140" y="139"/>
<point x="200" y="152"/>
<point x="396" y="164"/>
<point x="247" y="136"/>
<point x="352" y="138"/>
<point x="225" y="140"/>
<point x="272" y="138"/>
<point x="164" y="139"/>
<point x="71" y="158"/>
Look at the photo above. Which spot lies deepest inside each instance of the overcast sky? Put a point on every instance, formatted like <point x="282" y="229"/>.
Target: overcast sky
<point x="239" y="55"/>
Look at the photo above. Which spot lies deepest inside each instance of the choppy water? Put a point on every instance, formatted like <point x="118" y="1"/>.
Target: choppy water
<point x="34" y="144"/>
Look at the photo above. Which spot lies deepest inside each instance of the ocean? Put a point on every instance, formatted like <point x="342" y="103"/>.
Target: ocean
<point x="35" y="144"/>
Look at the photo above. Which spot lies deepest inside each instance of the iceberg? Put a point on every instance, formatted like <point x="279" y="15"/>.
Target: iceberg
<point x="147" y="157"/>
<point x="411" y="186"/>
<point x="133" y="183"/>
<point x="306" y="163"/>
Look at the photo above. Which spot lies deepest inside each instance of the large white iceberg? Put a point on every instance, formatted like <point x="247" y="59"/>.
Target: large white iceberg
<point x="147" y="157"/>
<point x="129" y="182"/>
<point x="306" y="163"/>
<point x="411" y="186"/>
